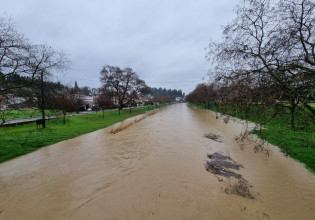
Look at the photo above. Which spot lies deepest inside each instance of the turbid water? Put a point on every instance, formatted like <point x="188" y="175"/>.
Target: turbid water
<point x="154" y="169"/>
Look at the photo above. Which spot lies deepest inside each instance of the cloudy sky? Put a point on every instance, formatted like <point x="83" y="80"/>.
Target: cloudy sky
<point x="164" y="41"/>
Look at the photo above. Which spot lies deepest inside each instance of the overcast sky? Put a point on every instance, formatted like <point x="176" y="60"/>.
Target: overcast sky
<point x="163" y="41"/>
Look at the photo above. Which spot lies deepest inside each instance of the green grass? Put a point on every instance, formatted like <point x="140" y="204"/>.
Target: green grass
<point x="22" y="139"/>
<point x="298" y="143"/>
<point x="12" y="114"/>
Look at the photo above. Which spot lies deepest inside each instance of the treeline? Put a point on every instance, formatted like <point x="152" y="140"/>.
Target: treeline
<point x="171" y="93"/>
<point x="265" y="59"/>
<point x="27" y="70"/>
<point x="85" y="90"/>
<point x="38" y="94"/>
<point x="263" y="103"/>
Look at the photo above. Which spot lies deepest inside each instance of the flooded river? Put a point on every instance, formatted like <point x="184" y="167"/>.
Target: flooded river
<point x="154" y="169"/>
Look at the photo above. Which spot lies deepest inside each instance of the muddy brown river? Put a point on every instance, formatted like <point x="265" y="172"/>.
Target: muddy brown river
<point x="154" y="169"/>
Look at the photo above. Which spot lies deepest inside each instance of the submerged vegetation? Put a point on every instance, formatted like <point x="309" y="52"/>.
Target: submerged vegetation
<point x="225" y="166"/>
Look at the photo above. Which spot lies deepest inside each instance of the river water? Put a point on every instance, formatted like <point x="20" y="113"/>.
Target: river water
<point x="154" y="169"/>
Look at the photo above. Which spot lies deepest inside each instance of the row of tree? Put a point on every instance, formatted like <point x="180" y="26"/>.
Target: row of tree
<point x="26" y="70"/>
<point x="55" y="97"/>
<point x="266" y="55"/>
<point x="22" y="63"/>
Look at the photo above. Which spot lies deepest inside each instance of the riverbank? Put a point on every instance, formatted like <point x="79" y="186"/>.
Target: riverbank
<point x="156" y="169"/>
<point x="23" y="139"/>
<point x="298" y="144"/>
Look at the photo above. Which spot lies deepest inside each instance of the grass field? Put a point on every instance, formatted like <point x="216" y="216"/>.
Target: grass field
<point x="298" y="143"/>
<point x="22" y="139"/>
<point x="12" y="114"/>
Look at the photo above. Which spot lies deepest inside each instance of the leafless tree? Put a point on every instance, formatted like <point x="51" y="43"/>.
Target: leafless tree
<point x="48" y="60"/>
<point x="15" y="57"/>
<point x="20" y="58"/>
<point x="124" y="84"/>
<point x="104" y="102"/>
<point x="270" y="42"/>
<point x="65" y="103"/>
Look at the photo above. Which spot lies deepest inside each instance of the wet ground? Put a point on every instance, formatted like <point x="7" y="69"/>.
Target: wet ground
<point x="153" y="168"/>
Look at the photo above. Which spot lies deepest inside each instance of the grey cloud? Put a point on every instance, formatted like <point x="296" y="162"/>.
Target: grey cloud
<point x="161" y="40"/>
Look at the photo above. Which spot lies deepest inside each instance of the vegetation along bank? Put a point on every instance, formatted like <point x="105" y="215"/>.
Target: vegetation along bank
<point x="22" y="139"/>
<point x="298" y="142"/>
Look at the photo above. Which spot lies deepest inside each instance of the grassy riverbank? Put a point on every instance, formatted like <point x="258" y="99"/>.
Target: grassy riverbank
<point x="298" y="143"/>
<point x="22" y="139"/>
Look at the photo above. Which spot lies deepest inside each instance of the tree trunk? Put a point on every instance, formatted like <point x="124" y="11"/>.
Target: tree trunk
<point x="43" y="117"/>
<point x="64" y="117"/>
<point x="42" y="105"/>
<point x="246" y="110"/>
<point x="103" y="113"/>
<point x="292" y="112"/>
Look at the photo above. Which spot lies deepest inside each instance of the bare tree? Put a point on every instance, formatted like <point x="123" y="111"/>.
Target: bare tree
<point x="47" y="60"/>
<point x="123" y="84"/>
<point x="64" y="103"/>
<point x="270" y="42"/>
<point x="15" y="58"/>
<point x="19" y="59"/>
<point x="104" y="102"/>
